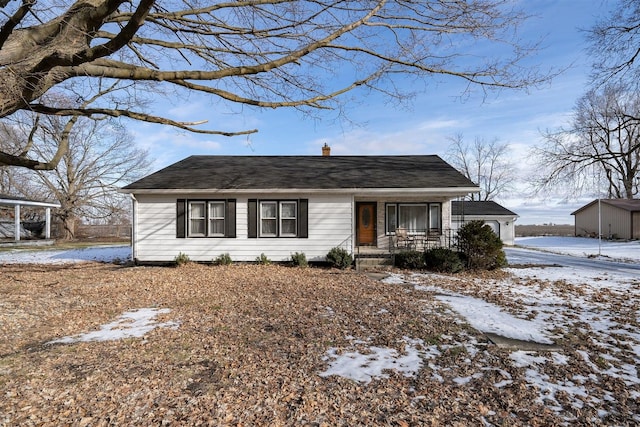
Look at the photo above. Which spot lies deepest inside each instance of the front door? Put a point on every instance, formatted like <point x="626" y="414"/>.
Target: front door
<point x="366" y="224"/>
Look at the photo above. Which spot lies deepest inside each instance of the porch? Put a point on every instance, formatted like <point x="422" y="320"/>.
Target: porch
<point x="403" y="240"/>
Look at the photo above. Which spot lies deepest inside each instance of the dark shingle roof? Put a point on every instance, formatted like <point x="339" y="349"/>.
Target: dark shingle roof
<point x="304" y="172"/>
<point x="479" y="208"/>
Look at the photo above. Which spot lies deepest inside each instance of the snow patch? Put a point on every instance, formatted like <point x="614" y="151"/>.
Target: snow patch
<point x="131" y="324"/>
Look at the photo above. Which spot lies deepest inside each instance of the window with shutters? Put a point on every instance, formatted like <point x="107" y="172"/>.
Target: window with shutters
<point x="206" y="218"/>
<point x="278" y="218"/>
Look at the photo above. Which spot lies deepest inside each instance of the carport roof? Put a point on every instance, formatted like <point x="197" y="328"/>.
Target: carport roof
<point x="7" y="200"/>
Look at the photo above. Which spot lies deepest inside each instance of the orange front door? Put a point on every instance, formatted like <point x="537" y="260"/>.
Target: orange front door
<point x="366" y="224"/>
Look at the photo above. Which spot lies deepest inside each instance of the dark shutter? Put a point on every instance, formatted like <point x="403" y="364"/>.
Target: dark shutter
<point x="252" y="225"/>
<point x="181" y="218"/>
<point x="303" y="218"/>
<point x="230" y="218"/>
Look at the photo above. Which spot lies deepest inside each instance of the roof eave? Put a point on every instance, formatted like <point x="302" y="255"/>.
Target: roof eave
<point x="373" y="191"/>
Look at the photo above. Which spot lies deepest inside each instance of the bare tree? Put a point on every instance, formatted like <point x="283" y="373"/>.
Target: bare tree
<point x="101" y="156"/>
<point x="262" y="53"/>
<point x="615" y="44"/>
<point x="601" y="148"/>
<point x="487" y="163"/>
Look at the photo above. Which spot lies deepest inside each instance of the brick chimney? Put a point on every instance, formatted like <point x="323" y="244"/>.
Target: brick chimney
<point x="326" y="150"/>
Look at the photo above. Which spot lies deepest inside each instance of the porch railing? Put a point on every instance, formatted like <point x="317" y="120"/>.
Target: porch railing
<point x="423" y="240"/>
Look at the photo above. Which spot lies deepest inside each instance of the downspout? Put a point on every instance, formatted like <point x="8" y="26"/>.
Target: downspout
<point x="16" y="222"/>
<point x="134" y="228"/>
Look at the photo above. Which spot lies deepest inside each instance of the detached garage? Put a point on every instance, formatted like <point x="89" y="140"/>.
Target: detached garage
<point x="499" y="218"/>
<point x="619" y="219"/>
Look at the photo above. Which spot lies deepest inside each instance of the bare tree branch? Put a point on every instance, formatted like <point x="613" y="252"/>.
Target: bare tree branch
<point x="303" y="54"/>
<point x="601" y="148"/>
<point x="486" y="163"/>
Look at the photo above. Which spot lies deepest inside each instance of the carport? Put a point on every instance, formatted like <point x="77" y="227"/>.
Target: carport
<point x="18" y="202"/>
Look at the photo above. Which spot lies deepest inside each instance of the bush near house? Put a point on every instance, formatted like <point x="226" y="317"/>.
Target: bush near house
<point x="182" y="259"/>
<point x="223" y="259"/>
<point x="443" y="260"/>
<point x="299" y="259"/>
<point x="263" y="259"/>
<point x="339" y="258"/>
<point x="410" y="260"/>
<point x="481" y="246"/>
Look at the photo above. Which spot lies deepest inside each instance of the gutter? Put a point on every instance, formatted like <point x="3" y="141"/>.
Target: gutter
<point x="350" y="191"/>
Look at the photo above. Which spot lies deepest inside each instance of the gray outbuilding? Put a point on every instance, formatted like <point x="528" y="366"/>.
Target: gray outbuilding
<point x="619" y="219"/>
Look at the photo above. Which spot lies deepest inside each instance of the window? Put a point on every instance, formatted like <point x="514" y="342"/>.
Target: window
<point x="288" y="221"/>
<point x="392" y="219"/>
<point x="268" y="219"/>
<point x="413" y="217"/>
<point x="278" y="219"/>
<point x="197" y="219"/>
<point x="206" y="218"/>
<point x="216" y="219"/>
<point x="435" y="219"/>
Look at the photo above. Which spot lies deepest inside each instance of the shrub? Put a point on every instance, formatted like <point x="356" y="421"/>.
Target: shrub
<point x="181" y="259"/>
<point x="339" y="258"/>
<point x="410" y="260"/>
<point x="263" y="260"/>
<point x="443" y="260"/>
<point x="481" y="246"/>
<point x="299" y="259"/>
<point x="223" y="259"/>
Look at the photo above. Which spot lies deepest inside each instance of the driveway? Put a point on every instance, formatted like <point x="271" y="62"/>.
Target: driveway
<point x="523" y="256"/>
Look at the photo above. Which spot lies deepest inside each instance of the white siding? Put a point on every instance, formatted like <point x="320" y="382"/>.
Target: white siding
<point x="330" y="224"/>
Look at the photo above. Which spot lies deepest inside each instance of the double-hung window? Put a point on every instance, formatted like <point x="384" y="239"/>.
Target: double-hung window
<point x="278" y="218"/>
<point x="197" y="219"/>
<point x="216" y="219"/>
<point x="205" y="218"/>
<point x="288" y="219"/>
<point x="414" y="217"/>
<point x="268" y="219"/>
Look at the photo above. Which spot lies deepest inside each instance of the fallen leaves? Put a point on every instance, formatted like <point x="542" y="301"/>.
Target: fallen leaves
<point x="248" y="351"/>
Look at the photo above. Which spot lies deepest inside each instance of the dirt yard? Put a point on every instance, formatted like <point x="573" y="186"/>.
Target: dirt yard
<point x="246" y="345"/>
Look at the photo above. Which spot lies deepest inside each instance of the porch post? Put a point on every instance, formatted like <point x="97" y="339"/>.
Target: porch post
<point x="47" y="223"/>
<point x="16" y="222"/>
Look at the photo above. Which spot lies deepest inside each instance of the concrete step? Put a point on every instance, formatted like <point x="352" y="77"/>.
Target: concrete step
<point x="373" y="262"/>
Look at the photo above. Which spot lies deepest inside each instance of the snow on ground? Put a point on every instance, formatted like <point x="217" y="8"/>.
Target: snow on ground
<point x="593" y="316"/>
<point x="487" y="317"/>
<point x="64" y="256"/>
<point x="131" y="324"/>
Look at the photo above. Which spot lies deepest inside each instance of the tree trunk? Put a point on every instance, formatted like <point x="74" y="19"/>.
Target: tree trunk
<point x="68" y="228"/>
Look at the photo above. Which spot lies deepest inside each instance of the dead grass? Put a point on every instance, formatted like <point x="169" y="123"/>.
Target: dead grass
<point x="247" y="352"/>
<point x="545" y="230"/>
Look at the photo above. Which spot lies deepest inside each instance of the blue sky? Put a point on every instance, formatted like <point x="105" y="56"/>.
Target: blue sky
<point x="379" y="127"/>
